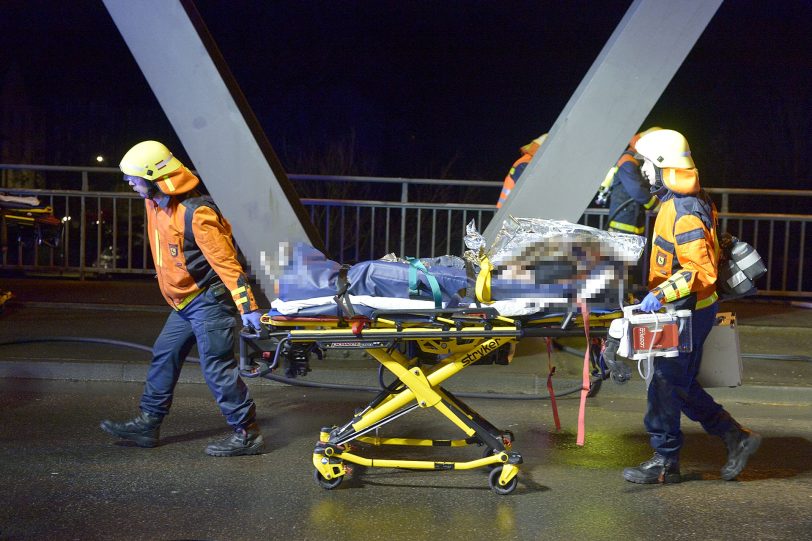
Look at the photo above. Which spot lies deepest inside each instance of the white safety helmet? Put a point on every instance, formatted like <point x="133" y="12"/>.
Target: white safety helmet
<point x="665" y="149"/>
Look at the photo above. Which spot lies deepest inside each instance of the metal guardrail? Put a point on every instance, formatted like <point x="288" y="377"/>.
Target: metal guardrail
<point x="105" y="233"/>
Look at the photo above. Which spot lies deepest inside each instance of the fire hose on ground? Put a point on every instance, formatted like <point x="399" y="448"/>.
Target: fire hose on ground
<point x="347" y="387"/>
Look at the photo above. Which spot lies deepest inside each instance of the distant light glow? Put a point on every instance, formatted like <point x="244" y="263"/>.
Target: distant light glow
<point x="100" y="158"/>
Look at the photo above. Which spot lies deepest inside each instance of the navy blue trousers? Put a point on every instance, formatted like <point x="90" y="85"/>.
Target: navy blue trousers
<point x="210" y="322"/>
<point x="674" y="390"/>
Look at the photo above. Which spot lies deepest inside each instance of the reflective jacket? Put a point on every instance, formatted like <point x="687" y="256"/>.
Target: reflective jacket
<point x="685" y="250"/>
<point x="513" y="175"/>
<point x="629" y="184"/>
<point x="528" y="151"/>
<point x="192" y="247"/>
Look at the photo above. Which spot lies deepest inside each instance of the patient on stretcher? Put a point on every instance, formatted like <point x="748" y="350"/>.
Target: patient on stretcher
<point x="533" y="266"/>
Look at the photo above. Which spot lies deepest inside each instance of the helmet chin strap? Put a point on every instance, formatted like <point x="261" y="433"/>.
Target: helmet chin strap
<point x="649" y="170"/>
<point x="657" y="185"/>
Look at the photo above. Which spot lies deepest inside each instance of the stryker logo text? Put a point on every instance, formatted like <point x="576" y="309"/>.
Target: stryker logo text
<point x="480" y="352"/>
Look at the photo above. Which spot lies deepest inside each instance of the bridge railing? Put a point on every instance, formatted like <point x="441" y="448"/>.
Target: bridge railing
<point x="104" y="231"/>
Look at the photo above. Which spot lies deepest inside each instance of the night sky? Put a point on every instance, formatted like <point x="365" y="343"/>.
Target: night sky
<point x="419" y="89"/>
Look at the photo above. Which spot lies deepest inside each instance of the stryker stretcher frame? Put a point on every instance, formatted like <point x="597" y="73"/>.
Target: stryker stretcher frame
<point x="458" y="339"/>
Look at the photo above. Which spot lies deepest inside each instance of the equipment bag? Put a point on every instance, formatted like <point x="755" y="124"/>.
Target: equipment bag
<point x="721" y="364"/>
<point x="740" y="266"/>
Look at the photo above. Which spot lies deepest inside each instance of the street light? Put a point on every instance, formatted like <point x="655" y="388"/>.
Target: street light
<point x="99" y="158"/>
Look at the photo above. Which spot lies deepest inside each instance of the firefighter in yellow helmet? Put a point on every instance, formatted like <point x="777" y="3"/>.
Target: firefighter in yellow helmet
<point x="201" y="279"/>
<point x="683" y="269"/>
<point x="527" y="152"/>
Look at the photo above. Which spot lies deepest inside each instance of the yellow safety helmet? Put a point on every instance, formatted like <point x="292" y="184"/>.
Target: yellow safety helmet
<point x="152" y="161"/>
<point x="534" y="145"/>
<point x="149" y="160"/>
<point x="666" y="149"/>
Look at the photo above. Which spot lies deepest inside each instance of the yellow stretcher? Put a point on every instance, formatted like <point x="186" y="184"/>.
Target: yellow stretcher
<point x="402" y="342"/>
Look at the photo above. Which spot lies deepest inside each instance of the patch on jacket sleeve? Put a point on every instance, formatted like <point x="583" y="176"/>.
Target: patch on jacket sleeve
<point x="173" y="250"/>
<point x="660" y="258"/>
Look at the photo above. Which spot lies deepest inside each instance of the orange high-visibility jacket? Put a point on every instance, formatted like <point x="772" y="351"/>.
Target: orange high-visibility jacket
<point x="685" y="250"/>
<point x="513" y="175"/>
<point x="191" y="246"/>
<point x="528" y="151"/>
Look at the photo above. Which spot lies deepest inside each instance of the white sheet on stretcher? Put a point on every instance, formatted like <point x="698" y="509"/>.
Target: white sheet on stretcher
<point x="506" y="307"/>
<point x="290" y="308"/>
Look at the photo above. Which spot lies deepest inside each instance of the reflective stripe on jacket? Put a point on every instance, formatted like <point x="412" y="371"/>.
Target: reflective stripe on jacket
<point x="685" y="251"/>
<point x="191" y="246"/>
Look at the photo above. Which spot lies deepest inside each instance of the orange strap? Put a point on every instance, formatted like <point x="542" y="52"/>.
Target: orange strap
<point x="551" y="371"/>
<point x="579" y="440"/>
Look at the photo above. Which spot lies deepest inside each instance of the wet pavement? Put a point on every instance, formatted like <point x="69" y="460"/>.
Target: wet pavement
<point x="64" y="478"/>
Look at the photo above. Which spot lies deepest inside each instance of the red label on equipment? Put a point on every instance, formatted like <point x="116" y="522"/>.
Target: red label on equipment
<point x="645" y="338"/>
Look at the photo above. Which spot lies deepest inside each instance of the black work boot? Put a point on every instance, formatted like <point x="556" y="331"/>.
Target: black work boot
<point x="143" y="429"/>
<point x="657" y="469"/>
<point x="244" y="441"/>
<point x="740" y="443"/>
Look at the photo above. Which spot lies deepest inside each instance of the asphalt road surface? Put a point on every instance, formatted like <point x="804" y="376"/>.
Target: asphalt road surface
<point x="63" y="478"/>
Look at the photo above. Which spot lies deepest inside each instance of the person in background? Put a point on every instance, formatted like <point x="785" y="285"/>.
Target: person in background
<point x="683" y="270"/>
<point x="628" y="192"/>
<point x="527" y="152"/>
<point x="201" y="279"/>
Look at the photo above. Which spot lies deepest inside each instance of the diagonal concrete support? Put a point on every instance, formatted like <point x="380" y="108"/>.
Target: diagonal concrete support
<point x="614" y="98"/>
<point x="214" y="122"/>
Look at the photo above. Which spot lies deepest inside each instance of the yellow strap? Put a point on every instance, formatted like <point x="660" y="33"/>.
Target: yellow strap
<point x="236" y="292"/>
<point x="651" y="203"/>
<point x="483" y="280"/>
<point x="169" y="183"/>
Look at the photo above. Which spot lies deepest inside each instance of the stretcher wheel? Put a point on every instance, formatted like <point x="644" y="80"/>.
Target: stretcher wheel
<point x="328" y="484"/>
<point x="493" y="482"/>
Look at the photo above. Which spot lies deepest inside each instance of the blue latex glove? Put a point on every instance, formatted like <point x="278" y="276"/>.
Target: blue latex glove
<point x="251" y="319"/>
<point x="650" y="304"/>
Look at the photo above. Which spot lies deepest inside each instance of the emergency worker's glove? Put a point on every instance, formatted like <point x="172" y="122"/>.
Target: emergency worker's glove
<point x="251" y="319"/>
<point x="650" y="304"/>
